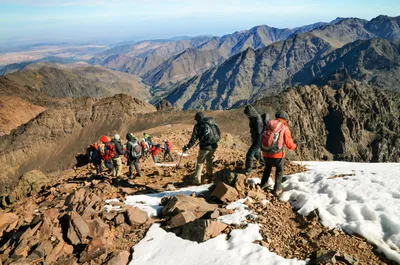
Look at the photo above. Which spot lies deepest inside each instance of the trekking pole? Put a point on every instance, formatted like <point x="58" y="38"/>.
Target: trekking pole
<point x="301" y="158"/>
<point x="180" y="160"/>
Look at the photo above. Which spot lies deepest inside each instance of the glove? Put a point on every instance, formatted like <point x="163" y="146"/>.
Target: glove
<point x="185" y="148"/>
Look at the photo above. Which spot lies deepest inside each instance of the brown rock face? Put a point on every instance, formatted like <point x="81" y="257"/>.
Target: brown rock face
<point x="225" y="192"/>
<point x="201" y="230"/>
<point x="164" y="105"/>
<point x="183" y="203"/>
<point x="119" y="258"/>
<point x="6" y="219"/>
<point x="78" y="229"/>
<point x="136" y="216"/>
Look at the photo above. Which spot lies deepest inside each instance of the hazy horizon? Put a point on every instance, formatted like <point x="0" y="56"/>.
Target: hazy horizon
<point x="91" y="21"/>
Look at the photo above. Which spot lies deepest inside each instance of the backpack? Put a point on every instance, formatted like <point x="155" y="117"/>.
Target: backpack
<point x="272" y="139"/>
<point x="135" y="150"/>
<point x="169" y="146"/>
<point x="209" y="132"/>
<point x="109" y="150"/>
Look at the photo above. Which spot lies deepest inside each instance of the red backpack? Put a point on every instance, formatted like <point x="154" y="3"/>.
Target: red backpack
<point x="110" y="151"/>
<point x="169" y="146"/>
<point x="272" y="141"/>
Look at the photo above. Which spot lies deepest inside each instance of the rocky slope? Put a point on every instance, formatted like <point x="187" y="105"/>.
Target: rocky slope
<point x="251" y="74"/>
<point x="97" y="82"/>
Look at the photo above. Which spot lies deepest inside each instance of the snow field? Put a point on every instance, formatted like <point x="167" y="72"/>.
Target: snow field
<point x="361" y="198"/>
<point x="164" y="248"/>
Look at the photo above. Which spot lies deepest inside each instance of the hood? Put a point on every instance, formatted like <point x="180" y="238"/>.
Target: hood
<point x="250" y="111"/>
<point x="130" y="137"/>
<point x="104" y="139"/>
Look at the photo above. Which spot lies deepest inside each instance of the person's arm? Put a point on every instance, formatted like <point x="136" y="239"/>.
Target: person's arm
<point x="119" y="148"/>
<point x="195" y="136"/>
<point x="289" y="140"/>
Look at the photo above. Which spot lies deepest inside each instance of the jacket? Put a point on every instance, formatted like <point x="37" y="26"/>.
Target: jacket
<point x="256" y="124"/>
<point x="154" y="150"/>
<point x="288" y="140"/>
<point x="196" y="136"/>
<point x="118" y="148"/>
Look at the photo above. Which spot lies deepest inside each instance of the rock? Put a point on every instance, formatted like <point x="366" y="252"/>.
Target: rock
<point x="240" y="183"/>
<point x="164" y="105"/>
<point x="118" y="258"/>
<point x="119" y="219"/>
<point x="215" y="214"/>
<point x="325" y="256"/>
<point x="56" y="253"/>
<point x="170" y="187"/>
<point x="109" y="215"/>
<point x="42" y="250"/>
<point x="67" y="187"/>
<point x="136" y="216"/>
<point x="97" y="228"/>
<point x="183" y="203"/>
<point x="201" y="230"/>
<point x="96" y="248"/>
<point x="224" y="176"/>
<point x="348" y="259"/>
<point x="225" y="192"/>
<point x="78" y="229"/>
<point x="181" y="219"/>
<point x="76" y="197"/>
<point x="259" y="196"/>
<point x="30" y="183"/>
<point x="224" y="211"/>
<point x="7" y="219"/>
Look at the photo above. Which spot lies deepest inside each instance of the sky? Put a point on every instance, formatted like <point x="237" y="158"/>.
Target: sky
<point x="120" y="20"/>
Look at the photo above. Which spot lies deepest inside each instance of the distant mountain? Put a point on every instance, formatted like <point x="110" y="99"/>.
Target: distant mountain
<point x="97" y="82"/>
<point x="253" y="74"/>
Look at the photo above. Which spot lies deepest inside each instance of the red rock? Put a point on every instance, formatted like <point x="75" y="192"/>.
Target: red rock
<point x="78" y="229"/>
<point x="97" y="228"/>
<point x="201" y="230"/>
<point x="96" y="248"/>
<point x="119" y="258"/>
<point x="183" y="203"/>
<point x="181" y="219"/>
<point x="259" y="196"/>
<point x="119" y="219"/>
<point x="136" y="216"/>
<point x="240" y="183"/>
<point x="225" y="192"/>
<point x="6" y="219"/>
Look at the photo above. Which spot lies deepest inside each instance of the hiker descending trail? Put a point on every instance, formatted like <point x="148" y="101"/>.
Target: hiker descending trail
<point x="107" y="152"/>
<point x="117" y="159"/>
<point x="168" y="150"/>
<point x="134" y="152"/>
<point x="145" y="149"/>
<point x="154" y="150"/>
<point x="256" y="128"/>
<point x="276" y="136"/>
<point x="207" y="132"/>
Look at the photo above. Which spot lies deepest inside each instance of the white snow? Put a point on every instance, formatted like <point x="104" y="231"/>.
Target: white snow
<point x="165" y="165"/>
<point x="366" y="201"/>
<point x="151" y="202"/>
<point x="240" y="214"/>
<point x="254" y="180"/>
<point x="184" y="154"/>
<point x="165" y="248"/>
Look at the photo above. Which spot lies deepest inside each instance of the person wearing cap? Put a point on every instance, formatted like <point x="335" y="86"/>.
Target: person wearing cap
<point x="278" y="159"/>
<point x="167" y="150"/>
<point x="117" y="159"/>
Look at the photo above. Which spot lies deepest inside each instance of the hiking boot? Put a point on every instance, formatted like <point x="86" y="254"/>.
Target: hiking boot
<point x="278" y="192"/>
<point x="266" y="187"/>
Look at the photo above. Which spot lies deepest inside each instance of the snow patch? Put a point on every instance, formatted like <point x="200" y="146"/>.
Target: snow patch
<point x="150" y="203"/>
<point x="165" y="165"/>
<point x="165" y="248"/>
<point x="240" y="214"/>
<point x="359" y="198"/>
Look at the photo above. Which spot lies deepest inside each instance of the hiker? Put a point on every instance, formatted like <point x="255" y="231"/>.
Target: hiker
<point x="95" y="157"/>
<point x="207" y="132"/>
<point x="272" y="148"/>
<point x="167" y="150"/>
<point x="256" y="128"/>
<point x="117" y="159"/>
<point x="147" y="137"/>
<point x="133" y="153"/>
<point x="154" y="150"/>
<point x="107" y="152"/>
<point x="145" y="149"/>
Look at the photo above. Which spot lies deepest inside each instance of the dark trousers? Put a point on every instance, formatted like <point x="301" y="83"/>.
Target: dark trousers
<point x="273" y="162"/>
<point x="135" y="163"/>
<point x="168" y="153"/>
<point x="254" y="151"/>
<point x="109" y="164"/>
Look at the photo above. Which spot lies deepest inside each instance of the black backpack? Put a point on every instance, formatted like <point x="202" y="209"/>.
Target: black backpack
<point x="209" y="132"/>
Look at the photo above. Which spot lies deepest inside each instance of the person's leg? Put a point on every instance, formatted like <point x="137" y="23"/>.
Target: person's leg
<point x="209" y="163"/>
<point x="278" y="176"/>
<point x="170" y="156"/>
<point x="267" y="173"/>
<point x="196" y="177"/>
<point x="165" y="155"/>
<point x="130" y="168"/>
<point x="119" y="166"/>
<point x="249" y="157"/>
<point x="136" y="163"/>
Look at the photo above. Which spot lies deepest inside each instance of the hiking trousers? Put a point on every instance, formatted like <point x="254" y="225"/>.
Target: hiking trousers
<point x="155" y="159"/>
<point x="168" y="153"/>
<point x="108" y="164"/>
<point x="203" y="156"/>
<point x="269" y="163"/>
<point x="254" y="151"/>
<point x="117" y="169"/>
<point x="134" y="162"/>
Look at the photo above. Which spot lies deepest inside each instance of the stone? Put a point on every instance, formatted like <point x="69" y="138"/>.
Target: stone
<point x="6" y="219"/>
<point x="240" y="183"/>
<point x="348" y="259"/>
<point x="201" y="230"/>
<point x="183" y="203"/>
<point x="30" y="183"/>
<point x="258" y="196"/>
<point x="96" y="248"/>
<point x="136" y="216"/>
<point x="325" y="256"/>
<point x="170" y="187"/>
<point x="215" y="214"/>
<point x="118" y="258"/>
<point x="56" y="253"/>
<point x="41" y="251"/>
<point x="67" y="187"/>
<point x="109" y="215"/>
<point x="119" y="219"/>
<point x="225" y="192"/>
<point x="97" y="228"/>
<point x="78" y="229"/>
<point x="181" y="219"/>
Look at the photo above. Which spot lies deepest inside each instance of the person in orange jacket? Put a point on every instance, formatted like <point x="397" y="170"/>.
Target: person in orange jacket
<point x="273" y="150"/>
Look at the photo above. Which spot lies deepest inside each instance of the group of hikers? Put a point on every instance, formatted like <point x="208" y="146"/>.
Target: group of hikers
<point x="268" y="136"/>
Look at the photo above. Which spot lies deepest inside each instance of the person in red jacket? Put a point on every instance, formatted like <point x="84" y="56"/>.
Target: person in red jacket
<point x="277" y="159"/>
<point x="154" y="150"/>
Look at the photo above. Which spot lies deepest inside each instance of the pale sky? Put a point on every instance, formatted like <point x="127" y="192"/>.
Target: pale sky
<point x="118" y="20"/>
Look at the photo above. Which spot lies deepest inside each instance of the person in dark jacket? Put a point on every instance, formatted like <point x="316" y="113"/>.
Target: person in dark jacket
<point x="256" y="125"/>
<point x="117" y="159"/>
<point x="207" y="149"/>
<point x="132" y="160"/>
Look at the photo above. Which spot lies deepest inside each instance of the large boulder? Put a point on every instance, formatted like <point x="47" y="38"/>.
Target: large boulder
<point x="201" y="230"/>
<point x="183" y="203"/>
